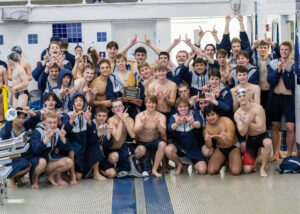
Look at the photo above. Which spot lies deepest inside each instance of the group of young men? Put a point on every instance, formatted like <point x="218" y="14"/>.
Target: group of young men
<point x="210" y="113"/>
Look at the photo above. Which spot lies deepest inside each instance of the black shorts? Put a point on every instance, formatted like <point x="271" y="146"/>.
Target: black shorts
<point x="105" y="165"/>
<point x="264" y="99"/>
<point x="20" y="93"/>
<point x="151" y="146"/>
<point x="226" y="151"/>
<point x="282" y="103"/>
<point x="252" y="146"/>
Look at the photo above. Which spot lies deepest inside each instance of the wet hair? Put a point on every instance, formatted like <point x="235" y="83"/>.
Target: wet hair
<point x="77" y="46"/>
<point x="242" y="53"/>
<point x="164" y="53"/>
<point x="235" y="40"/>
<point x="214" y="73"/>
<point x="211" y="108"/>
<point x="151" y="98"/>
<point x="181" y="100"/>
<point x="112" y="44"/>
<point x="120" y="56"/>
<point x="64" y="44"/>
<point x="222" y="53"/>
<point x="241" y="69"/>
<point x="101" y="108"/>
<point x="18" y="109"/>
<point x="287" y="43"/>
<point x="143" y="64"/>
<point x="211" y="46"/>
<point x="104" y="61"/>
<point x="140" y="50"/>
<point x="183" y="84"/>
<point x="198" y="61"/>
<point x="161" y="66"/>
<point x="50" y="94"/>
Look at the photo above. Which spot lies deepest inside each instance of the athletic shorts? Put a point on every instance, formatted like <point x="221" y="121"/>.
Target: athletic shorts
<point x="226" y="151"/>
<point x="20" y="93"/>
<point x="195" y="156"/>
<point x="282" y="103"/>
<point x="252" y="146"/>
<point x="151" y="146"/>
<point x="105" y="165"/>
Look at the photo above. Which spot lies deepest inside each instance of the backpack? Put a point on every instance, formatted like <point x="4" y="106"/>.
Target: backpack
<point x="290" y="164"/>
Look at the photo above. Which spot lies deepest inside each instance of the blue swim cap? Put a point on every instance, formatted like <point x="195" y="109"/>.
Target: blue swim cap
<point x="13" y="56"/>
<point x="17" y="49"/>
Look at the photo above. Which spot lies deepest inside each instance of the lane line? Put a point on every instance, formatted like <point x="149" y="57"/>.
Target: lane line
<point x="157" y="196"/>
<point x="123" y="201"/>
<point x="140" y="202"/>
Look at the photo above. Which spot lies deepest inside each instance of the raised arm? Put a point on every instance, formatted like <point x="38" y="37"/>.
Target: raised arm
<point x="132" y="43"/>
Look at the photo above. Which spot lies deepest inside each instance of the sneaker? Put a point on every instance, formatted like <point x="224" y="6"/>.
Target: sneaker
<point x="122" y="174"/>
<point x="145" y="174"/>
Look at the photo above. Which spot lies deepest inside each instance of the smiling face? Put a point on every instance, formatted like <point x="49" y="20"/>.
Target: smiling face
<point x="242" y="77"/>
<point x="161" y="74"/>
<point x="199" y="68"/>
<point x="145" y="72"/>
<point x="54" y="50"/>
<point x="181" y="57"/>
<point x="235" y="47"/>
<point x="243" y="99"/>
<point x="285" y="51"/>
<point x="78" y="103"/>
<point x="210" y="51"/>
<point x="221" y="60"/>
<point x="212" y="117"/>
<point x="183" y="109"/>
<point x="242" y="61"/>
<point x="140" y="57"/>
<point x="50" y="123"/>
<point x="53" y="73"/>
<point x="150" y="106"/>
<point x="88" y="74"/>
<point x="19" y="121"/>
<point x="163" y="59"/>
<point x="50" y="103"/>
<point x="101" y="117"/>
<point x="117" y="106"/>
<point x="184" y="92"/>
<point x="105" y="69"/>
<point x="112" y="52"/>
<point x="214" y="81"/>
<point x="263" y="50"/>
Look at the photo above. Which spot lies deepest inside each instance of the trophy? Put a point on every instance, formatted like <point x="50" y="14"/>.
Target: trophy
<point x="132" y="90"/>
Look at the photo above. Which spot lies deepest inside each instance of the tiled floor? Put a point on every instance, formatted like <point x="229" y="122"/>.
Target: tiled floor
<point x="189" y="193"/>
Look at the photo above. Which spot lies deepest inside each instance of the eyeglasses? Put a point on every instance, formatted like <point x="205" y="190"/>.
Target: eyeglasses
<point x="118" y="106"/>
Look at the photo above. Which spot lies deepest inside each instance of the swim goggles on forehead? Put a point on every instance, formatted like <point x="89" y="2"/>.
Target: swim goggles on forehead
<point x="17" y="49"/>
<point x="13" y="57"/>
<point x="242" y="91"/>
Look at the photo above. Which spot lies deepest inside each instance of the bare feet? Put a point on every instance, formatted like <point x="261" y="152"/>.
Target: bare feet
<point x="275" y="158"/>
<point x="52" y="181"/>
<point x="11" y="183"/>
<point x="20" y="181"/>
<point x="282" y="156"/>
<point x="156" y="174"/>
<point x="263" y="173"/>
<point x="73" y="182"/>
<point x="35" y="186"/>
<point x="99" y="177"/>
<point x="178" y="170"/>
<point x="61" y="182"/>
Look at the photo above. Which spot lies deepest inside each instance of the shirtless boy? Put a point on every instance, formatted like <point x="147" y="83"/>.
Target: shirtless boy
<point x="222" y="129"/>
<point x="24" y="63"/>
<point x="251" y="122"/>
<point x="101" y="82"/>
<point x="20" y="82"/>
<point x="150" y="126"/>
<point x="123" y="131"/>
<point x="252" y="89"/>
<point x="165" y="91"/>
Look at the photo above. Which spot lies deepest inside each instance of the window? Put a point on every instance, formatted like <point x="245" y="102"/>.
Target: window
<point x="32" y="38"/>
<point x="101" y="36"/>
<point x="70" y="32"/>
<point x="103" y="54"/>
<point x="1" y="39"/>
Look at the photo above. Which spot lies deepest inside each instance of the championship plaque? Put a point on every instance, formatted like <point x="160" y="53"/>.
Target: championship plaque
<point x="131" y="91"/>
